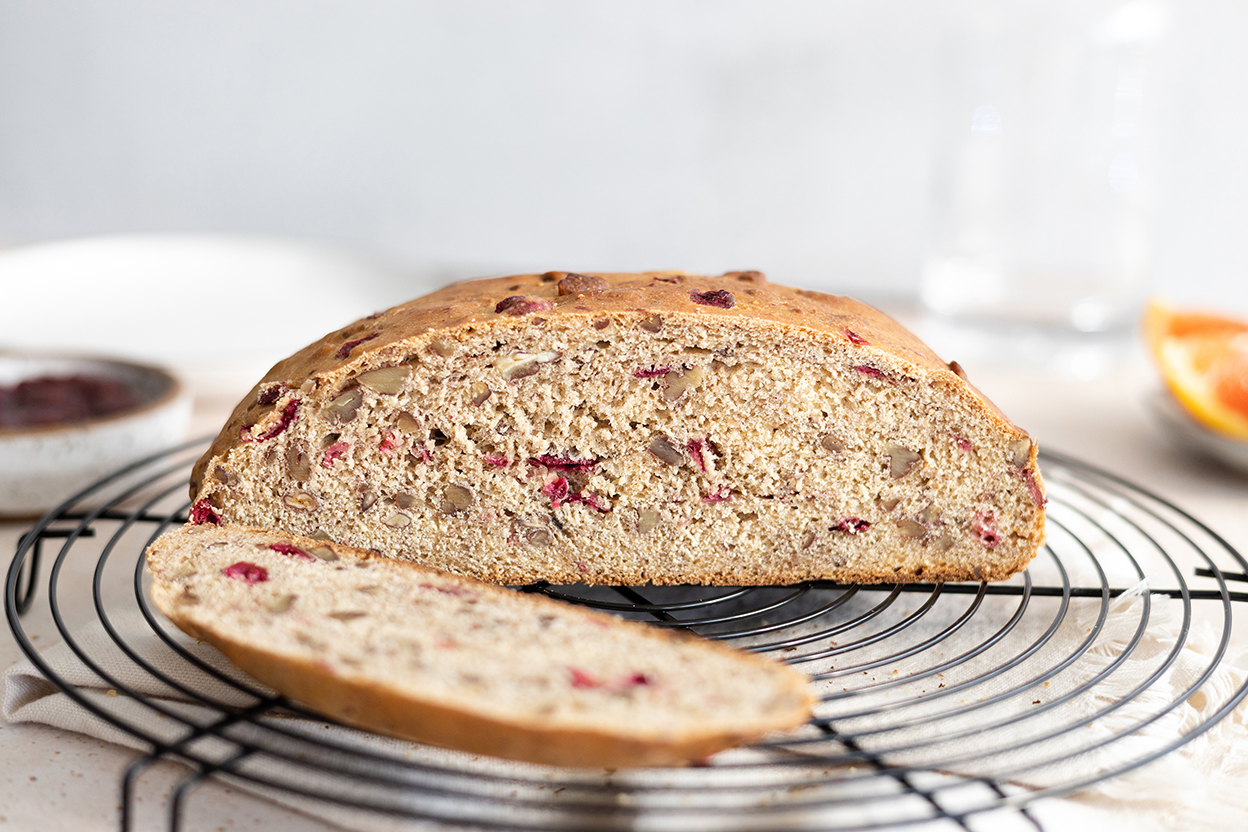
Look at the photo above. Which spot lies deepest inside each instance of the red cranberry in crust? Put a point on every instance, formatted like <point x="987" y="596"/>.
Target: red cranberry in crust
<point x="271" y="394"/>
<point x="851" y="525"/>
<point x="557" y="491"/>
<point x="984" y="525"/>
<point x="694" y="447"/>
<point x="289" y="412"/>
<point x="334" y="452"/>
<point x="855" y="338"/>
<point x="248" y="573"/>
<point x="346" y="348"/>
<point x="518" y="305"/>
<point x="203" y="512"/>
<point x="388" y="443"/>
<point x="581" y="679"/>
<point x="719" y="298"/>
<point x="563" y="463"/>
<point x="870" y="371"/>
<point x="1037" y="496"/>
<point x="292" y="550"/>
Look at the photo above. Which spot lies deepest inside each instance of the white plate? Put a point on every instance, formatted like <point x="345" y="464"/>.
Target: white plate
<point x="219" y="310"/>
<point x="1194" y="435"/>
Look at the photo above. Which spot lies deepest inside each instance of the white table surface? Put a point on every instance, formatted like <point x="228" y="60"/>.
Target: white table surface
<point x="52" y="780"/>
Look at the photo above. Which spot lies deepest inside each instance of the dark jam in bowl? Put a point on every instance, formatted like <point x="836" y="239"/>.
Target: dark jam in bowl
<point x="53" y="400"/>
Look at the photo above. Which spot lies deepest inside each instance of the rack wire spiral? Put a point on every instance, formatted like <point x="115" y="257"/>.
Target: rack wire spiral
<point x="938" y="702"/>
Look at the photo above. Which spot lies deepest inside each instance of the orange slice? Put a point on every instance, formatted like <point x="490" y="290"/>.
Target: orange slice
<point x="1204" y="359"/>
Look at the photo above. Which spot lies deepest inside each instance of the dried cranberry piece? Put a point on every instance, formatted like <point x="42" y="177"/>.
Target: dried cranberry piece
<point x="289" y="412"/>
<point x="870" y="371"/>
<point x="984" y="525"/>
<point x="557" y="491"/>
<point x="563" y="463"/>
<point x="719" y="496"/>
<point x="497" y="460"/>
<point x="334" y="452"/>
<point x="694" y="447"/>
<point x="388" y="443"/>
<point x="247" y="572"/>
<point x="852" y="525"/>
<point x="581" y="679"/>
<point x="652" y="372"/>
<point x="963" y="444"/>
<point x="292" y="550"/>
<point x="1037" y="495"/>
<point x="203" y="512"/>
<point x="346" y="348"/>
<point x="855" y="338"/>
<point x="560" y="492"/>
<point x="272" y="394"/>
<point x="720" y="298"/>
<point x="518" y="305"/>
<point x="636" y="679"/>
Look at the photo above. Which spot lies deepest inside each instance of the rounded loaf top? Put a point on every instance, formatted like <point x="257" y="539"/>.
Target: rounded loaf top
<point x="624" y="400"/>
<point x="535" y="298"/>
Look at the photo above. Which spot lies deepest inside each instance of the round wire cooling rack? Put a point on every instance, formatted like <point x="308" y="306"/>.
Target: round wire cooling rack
<point x="947" y="703"/>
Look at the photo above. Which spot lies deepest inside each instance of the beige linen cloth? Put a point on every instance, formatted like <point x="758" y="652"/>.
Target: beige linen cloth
<point x="1199" y="786"/>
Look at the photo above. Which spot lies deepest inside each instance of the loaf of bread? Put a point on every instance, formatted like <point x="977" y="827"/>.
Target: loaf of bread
<point x="633" y="428"/>
<point x="420" y="654"/>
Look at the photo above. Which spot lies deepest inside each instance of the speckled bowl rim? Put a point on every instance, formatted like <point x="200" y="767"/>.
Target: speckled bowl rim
<point x="174" y="390"/>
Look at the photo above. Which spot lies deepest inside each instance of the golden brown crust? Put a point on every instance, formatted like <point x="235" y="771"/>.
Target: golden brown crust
<point x="384" y="709"/>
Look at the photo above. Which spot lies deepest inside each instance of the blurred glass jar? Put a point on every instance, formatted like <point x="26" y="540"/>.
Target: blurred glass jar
<point x="1043" y="199"/>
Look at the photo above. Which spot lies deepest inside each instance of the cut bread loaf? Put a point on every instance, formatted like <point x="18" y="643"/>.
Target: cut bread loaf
<point x="634" y="428"/>
<point x="420" y="654"/>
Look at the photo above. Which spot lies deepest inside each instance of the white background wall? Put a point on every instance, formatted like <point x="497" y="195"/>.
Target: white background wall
<point x="486" y="136"/>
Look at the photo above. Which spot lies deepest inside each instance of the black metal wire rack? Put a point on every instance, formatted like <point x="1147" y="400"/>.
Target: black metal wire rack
<point x="939" y="703"/>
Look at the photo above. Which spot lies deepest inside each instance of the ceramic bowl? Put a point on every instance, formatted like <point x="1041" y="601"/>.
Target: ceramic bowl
<point x="1194" y="435"/>
<point x="42" y="466"/>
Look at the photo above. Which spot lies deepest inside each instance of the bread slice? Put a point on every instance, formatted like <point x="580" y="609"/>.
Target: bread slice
<point x="420" y="654"/>
<point x="627" y="429"/>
